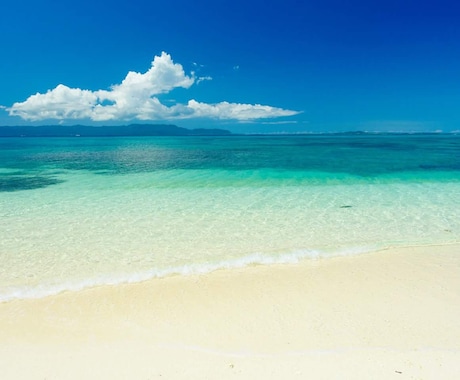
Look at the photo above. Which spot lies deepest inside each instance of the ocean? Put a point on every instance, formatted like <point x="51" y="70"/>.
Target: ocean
<point x="81" y="212"/>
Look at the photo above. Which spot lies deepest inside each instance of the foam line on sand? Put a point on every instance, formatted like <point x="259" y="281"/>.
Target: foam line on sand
<point x="390" y="314"/>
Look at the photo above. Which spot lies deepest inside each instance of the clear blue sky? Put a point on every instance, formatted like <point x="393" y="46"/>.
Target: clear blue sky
<point x="312" y="65"/>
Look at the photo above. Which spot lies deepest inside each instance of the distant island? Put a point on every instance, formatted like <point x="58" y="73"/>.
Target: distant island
<point x="107" y="131"/>
<point x="167" y="130"/>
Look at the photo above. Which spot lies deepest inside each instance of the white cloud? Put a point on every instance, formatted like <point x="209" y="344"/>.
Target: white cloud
<point x="60" y="103"/>
<point x="236" y="111"/>
<point x="136" y="98"/>
<point x="201" y="79"/>
<point x="280" y="122"/>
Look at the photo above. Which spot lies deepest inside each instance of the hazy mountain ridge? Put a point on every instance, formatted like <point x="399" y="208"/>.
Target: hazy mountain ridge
<point x="107" y="131"/>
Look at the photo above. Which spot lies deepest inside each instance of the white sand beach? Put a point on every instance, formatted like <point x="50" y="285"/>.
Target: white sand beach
<point x="393" y="314"/>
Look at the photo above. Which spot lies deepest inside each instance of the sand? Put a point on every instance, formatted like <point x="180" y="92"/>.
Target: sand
<point x="393" y="314"/>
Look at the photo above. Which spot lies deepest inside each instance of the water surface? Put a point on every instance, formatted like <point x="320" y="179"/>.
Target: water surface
<point x="76" y="212"/>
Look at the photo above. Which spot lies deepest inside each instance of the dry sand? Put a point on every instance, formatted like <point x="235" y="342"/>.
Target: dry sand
<point x="394" y="314"/>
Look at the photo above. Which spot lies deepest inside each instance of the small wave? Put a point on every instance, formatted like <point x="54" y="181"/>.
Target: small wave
<point x="185" y="270"/>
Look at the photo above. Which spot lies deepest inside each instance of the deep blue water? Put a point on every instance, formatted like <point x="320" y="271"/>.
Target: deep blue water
<point x="33" y="162"/>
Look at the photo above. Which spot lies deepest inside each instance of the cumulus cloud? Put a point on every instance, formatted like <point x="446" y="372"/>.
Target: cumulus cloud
<point x="136" y="97"/>
<point x="60" y="103"/>
<point x="237" y="111"/>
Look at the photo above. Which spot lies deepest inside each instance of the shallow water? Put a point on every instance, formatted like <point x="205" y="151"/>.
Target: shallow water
<point x="78" y="212"/>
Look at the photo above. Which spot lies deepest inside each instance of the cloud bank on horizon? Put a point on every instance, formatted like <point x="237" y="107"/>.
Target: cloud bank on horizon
<point x="136" y="97"/>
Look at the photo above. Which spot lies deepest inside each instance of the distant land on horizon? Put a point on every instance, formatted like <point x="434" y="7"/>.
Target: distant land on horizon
<point x="107" y="131"/>
<point x="140" y="130"/>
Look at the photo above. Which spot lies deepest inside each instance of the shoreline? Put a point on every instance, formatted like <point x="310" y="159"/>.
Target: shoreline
<point x="386" y="314"/>
<point x="296" y="257"/>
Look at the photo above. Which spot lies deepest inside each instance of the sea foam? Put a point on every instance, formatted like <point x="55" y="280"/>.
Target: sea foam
<point x="255" y="259"/>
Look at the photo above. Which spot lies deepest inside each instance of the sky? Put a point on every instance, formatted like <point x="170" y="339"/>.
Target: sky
<point x="247" y="66"/>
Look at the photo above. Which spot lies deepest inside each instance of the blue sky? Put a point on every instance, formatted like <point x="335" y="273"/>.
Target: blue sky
<point x="247" y="66"/>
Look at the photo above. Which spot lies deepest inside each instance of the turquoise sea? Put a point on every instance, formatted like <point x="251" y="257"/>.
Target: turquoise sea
<point x="80" y="212"/>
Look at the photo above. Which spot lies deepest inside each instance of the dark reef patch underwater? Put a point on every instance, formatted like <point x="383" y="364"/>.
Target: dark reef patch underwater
<point x="18" y="182"/>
